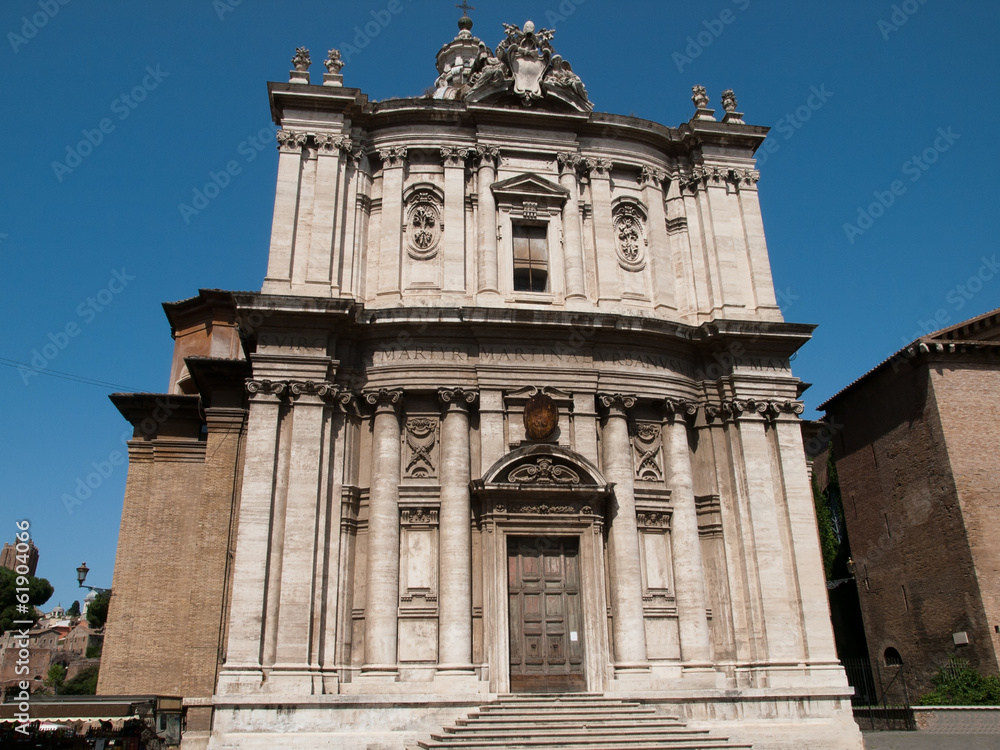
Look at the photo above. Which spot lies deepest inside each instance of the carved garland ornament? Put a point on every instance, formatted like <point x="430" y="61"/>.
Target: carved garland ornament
<point x="630" y="236"/>
<point x="421" y="438"/>
<point x="544" y="471"/>
<point x="423" y="225"/>
<point x="647" y="443"/>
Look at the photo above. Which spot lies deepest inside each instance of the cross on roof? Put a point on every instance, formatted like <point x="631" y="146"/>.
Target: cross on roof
<point x="466" y="7"/>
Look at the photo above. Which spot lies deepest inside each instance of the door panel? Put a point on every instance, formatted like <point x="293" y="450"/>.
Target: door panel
<point x="546" y="635"/>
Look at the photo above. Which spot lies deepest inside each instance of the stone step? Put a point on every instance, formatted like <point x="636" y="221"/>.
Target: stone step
<point x="561" y="706"/>
<point x="572" y="721"/>
<point x="566" y="710"/>
<point x="579" y="731"/>
<point x="597" y="743"/>
<point x="509" y="722"/>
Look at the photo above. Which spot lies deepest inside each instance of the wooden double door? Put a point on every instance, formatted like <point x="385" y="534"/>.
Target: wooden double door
<point x="546" y="621"/>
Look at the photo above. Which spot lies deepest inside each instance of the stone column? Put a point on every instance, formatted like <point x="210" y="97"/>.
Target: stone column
<point x="343" y="270"/>
<point x="326" y="195"/>
<point x="659" y="250"/>
<point x="279" y="263"/>
<point x="453" y="266"/>
<point x="488" y="264"/>
<point x="390" y="249"/>
<point x="608" y="276"/>
<point x="817" y="629"/>
<point x="383" y="535"/>
<point x="246" y="630"/>
<point x="623" y="538"/>
<point x="573" y="244"/>
<point x="689" y="569"/>
<point x="303" y="528"/>
<point x="455" y="529"/>
<point x="772" y="560"/>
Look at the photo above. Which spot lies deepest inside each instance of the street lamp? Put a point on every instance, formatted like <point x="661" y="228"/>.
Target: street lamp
<point x="81" y="576"/>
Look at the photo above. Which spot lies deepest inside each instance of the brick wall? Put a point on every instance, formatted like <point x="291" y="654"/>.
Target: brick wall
<point x="916" y="577"/>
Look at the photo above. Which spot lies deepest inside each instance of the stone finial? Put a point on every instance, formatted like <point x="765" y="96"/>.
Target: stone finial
<point x="700" y="97"/>
<point x="729" y="104"/>
<point x="301" y="61"/>
<point x="333" y="62"/>
<point x="334" y="65"/>
<point x="729" y="100"/>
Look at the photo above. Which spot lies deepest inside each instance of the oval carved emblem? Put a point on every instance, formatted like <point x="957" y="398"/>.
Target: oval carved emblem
<point x="541" y="417"/>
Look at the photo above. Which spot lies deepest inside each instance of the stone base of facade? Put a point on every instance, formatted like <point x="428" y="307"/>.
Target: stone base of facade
<point x="776" y="719"/>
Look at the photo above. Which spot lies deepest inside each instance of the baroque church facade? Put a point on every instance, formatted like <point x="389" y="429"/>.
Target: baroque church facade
<point x="512" y="414"/>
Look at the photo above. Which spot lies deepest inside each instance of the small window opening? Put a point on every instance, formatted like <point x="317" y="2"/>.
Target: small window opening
<point x="531" y="262"/>
<point x="892" y="657"/>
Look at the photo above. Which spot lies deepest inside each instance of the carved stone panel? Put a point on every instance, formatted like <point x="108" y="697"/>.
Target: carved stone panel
<point x="423" y="226"/>
<point x="647" y="451"/>
<point x="420" y="448"/>
<point x="630" y="235"/>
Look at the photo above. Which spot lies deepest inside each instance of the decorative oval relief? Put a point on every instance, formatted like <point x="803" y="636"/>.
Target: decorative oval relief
<point x="630" y="236"/>
<point x="423" y="225"/>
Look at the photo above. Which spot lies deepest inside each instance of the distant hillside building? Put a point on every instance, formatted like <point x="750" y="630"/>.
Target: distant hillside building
<point x="512" y="413"/>
<point x="916" y="446"/>
<point x="9" y="557"/>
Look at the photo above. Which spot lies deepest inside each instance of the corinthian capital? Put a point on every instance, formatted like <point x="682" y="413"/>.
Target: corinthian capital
<point x="569" y="160"/>
<point x="289" y="140"/>
<point x="454" y="156"/>
<point x="601" y="167"/>
<point x="392" y="157"/>
<point x="487" y="155"/>
<point x="652" y="176"/>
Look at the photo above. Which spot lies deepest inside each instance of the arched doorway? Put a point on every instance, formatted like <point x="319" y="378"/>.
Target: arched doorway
<point x="541" y="510"/>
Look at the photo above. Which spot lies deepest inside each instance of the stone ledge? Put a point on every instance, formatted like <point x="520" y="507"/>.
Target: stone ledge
<point x="958" y="719"/>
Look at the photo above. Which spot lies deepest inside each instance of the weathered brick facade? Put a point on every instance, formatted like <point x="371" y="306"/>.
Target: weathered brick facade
<point x="166" y="623"/>
<point x="916" y="456"/>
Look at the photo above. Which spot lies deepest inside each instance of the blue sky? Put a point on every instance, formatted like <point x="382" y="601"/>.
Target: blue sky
<point x="871" y="103"/>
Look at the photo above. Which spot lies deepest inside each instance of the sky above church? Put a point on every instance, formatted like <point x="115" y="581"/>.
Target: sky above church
<point x="875" y="189"/>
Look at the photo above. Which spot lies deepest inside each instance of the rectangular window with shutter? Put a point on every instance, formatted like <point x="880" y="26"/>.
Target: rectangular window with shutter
<point x="531" y="259"/>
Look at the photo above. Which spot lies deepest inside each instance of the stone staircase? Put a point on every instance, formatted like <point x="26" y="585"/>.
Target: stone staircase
<point x="573" y="721"/>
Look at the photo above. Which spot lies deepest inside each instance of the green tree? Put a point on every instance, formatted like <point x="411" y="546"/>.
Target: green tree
<point x="39" y="591"/>
<point x="85" y="683"/>
<point x="829" y="545"/>
<point x="958" y="684"/>
<point x="74" y="609"/>
<point x="55" y="677"/>
<point x="97" y="612"/>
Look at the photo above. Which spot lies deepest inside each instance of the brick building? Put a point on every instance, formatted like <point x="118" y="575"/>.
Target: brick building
<point x="512" y="413"/>
<point x="917" y="456"/>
